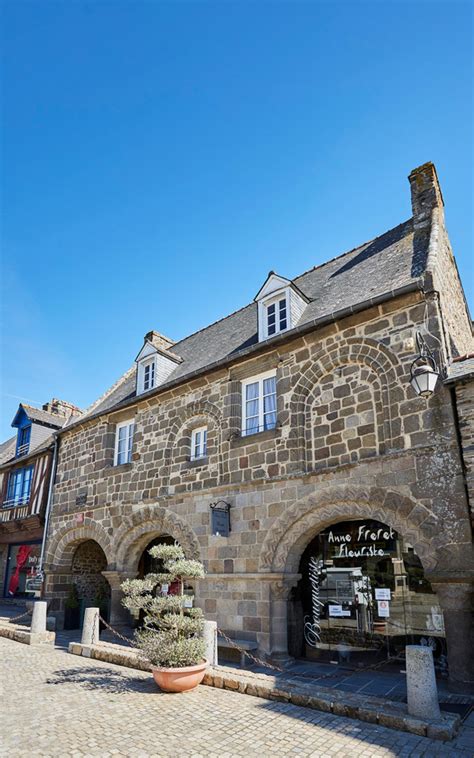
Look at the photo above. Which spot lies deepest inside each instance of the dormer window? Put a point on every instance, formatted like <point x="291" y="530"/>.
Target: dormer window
<point x="277" y="318"/>
<point x="23" y="440"/>
<point x="280" y="306"/>
<point x="149" y="375"/>
<point x="155" y="362"/>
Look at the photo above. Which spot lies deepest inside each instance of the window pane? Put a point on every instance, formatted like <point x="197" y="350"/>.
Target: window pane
<point x="251" y="408"/>
<point x="204" y="442"/>
<point x="251" y="425"/>
<point x="269" y="421"/>
<point x="269" y="385"/>
<point x="251" y="391"/>
<point x="27" y="483"/>
<point x="283" y="323"/>
<point x="271" y="309"/>
<point x="269" y="404"/>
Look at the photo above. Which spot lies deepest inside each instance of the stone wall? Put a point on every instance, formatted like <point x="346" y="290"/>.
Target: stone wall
<point x="465" y="407"/>
<point x="87" y="565"/>
<point x="352" y="441"/>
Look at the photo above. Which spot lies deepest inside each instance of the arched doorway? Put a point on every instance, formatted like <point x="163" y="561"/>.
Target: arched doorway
<point x="362" y="597"/>
<point x="149" y="565"/>
<point x="88" y="585"/>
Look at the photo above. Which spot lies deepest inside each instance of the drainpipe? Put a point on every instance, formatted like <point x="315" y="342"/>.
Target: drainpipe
<point x="48" y="504"/>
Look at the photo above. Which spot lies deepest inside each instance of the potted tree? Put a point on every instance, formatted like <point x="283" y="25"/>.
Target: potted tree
<point x="171" y="637"/>
<point x="72" y="609"/>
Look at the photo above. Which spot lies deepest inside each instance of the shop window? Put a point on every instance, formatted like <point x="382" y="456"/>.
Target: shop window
<point x="22" y="564"/>
<point x="363" y="597"/>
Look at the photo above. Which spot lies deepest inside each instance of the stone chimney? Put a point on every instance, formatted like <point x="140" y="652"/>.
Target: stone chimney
<point x="61" y="408"/>
<point x="425" y="194"/>
<point x="159" y="340"/>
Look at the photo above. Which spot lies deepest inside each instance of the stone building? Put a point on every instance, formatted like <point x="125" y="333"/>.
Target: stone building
<point x="348" y="496"/>
<point x="25" y="471"/>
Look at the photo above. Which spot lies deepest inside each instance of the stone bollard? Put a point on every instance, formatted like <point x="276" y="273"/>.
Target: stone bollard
<point x="210" y="638"/>
<point x="38" y="619"/>
<point x="422" y="692"/>
<point x="90" y="627"/>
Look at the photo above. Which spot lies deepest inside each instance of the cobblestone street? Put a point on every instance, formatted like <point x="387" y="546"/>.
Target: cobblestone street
<point x="55" y="704"/>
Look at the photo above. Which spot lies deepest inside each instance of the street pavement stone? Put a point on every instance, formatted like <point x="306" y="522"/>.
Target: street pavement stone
<point x="56" y="704"/>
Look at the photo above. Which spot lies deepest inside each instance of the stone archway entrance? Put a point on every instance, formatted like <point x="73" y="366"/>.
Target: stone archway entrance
<point x="147" y="564"/>
<point x="87" y="580"/>
<point x="362" y="597"/>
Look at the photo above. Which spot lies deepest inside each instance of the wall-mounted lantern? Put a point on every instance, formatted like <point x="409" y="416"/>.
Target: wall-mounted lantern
<point x="220" y="518"/>
<point x="424" y="370"/>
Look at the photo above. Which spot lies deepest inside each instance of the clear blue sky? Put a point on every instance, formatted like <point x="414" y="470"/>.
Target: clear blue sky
<point x="160" y="158"/>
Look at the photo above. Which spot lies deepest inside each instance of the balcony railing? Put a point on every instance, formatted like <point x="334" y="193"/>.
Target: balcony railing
<point x="23" y="500"/>
<point x="22" y="449"/>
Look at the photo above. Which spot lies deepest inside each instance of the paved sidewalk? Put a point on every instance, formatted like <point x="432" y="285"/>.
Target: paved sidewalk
<point x="55" y="704"/>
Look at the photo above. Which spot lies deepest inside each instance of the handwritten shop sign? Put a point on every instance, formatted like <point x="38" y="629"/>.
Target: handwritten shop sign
<point x="366" y="540"/>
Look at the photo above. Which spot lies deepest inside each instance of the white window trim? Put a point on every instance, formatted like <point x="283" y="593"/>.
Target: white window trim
<point x="274" y="297"/>
<point x="194" y="432"/>
<point x="251" y="380"/>
<point x="128" y="423"/>
<point x="145" y="364"/>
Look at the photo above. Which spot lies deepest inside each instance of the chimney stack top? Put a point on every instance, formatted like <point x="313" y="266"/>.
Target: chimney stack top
<point x="426" y="193"/>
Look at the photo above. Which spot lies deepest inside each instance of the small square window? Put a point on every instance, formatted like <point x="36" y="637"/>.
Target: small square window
<point x="199" y="443"/>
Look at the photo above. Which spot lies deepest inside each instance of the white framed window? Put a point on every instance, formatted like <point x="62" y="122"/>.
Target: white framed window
<point x="199" y="443"/>
<point x="276" y="316"/>
<point x="123" y="443"/>
<point x="259" y="403"/>
<point x="149" y="375"/>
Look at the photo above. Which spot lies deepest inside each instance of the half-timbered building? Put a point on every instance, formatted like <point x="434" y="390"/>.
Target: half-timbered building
<point x="25" y="473"/>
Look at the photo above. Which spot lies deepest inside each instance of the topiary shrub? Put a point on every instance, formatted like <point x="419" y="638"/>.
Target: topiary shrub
<point x="172" y="634"/>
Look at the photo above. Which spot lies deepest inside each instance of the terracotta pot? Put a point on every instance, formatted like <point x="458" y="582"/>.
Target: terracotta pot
<point x="179" y="680"/>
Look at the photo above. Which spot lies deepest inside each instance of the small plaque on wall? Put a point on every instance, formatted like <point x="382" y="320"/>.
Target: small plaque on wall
<point x="220" y="519"/>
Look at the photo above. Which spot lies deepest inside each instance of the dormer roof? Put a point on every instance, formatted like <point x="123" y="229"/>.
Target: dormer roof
<point x="37" y="416"/>
<point x="150" y="348"/>
<point x="274" y="283"/>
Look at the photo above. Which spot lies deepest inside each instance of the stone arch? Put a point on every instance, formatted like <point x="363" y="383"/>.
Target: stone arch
<point x="296" y="527"/>
<point x="198" y="412"/>
<point x="327" y="433"/>
<point x="63" y="543"/>
<point x="143" y="526"/>
<point x="357" y="351"/>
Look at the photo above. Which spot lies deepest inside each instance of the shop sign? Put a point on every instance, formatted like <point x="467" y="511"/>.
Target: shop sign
<point x="220" y="522"/>
<point x="383" y="593"/>
<point x="337" y="611"/>
<point x="312" y="624"/>
<point x="383" y="608"/>
<point x="365" y="540"/>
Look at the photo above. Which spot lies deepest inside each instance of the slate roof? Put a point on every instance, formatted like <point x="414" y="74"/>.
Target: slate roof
<point x="392" y="261"/>
<point x="43" y="417"/>
<point x="7" y="449"/>
<point x="461" y="368"/>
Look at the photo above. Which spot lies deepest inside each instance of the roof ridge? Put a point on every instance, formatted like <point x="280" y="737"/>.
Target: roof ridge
<point x="106" y="394"/>
<point x="357" y="247"/>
